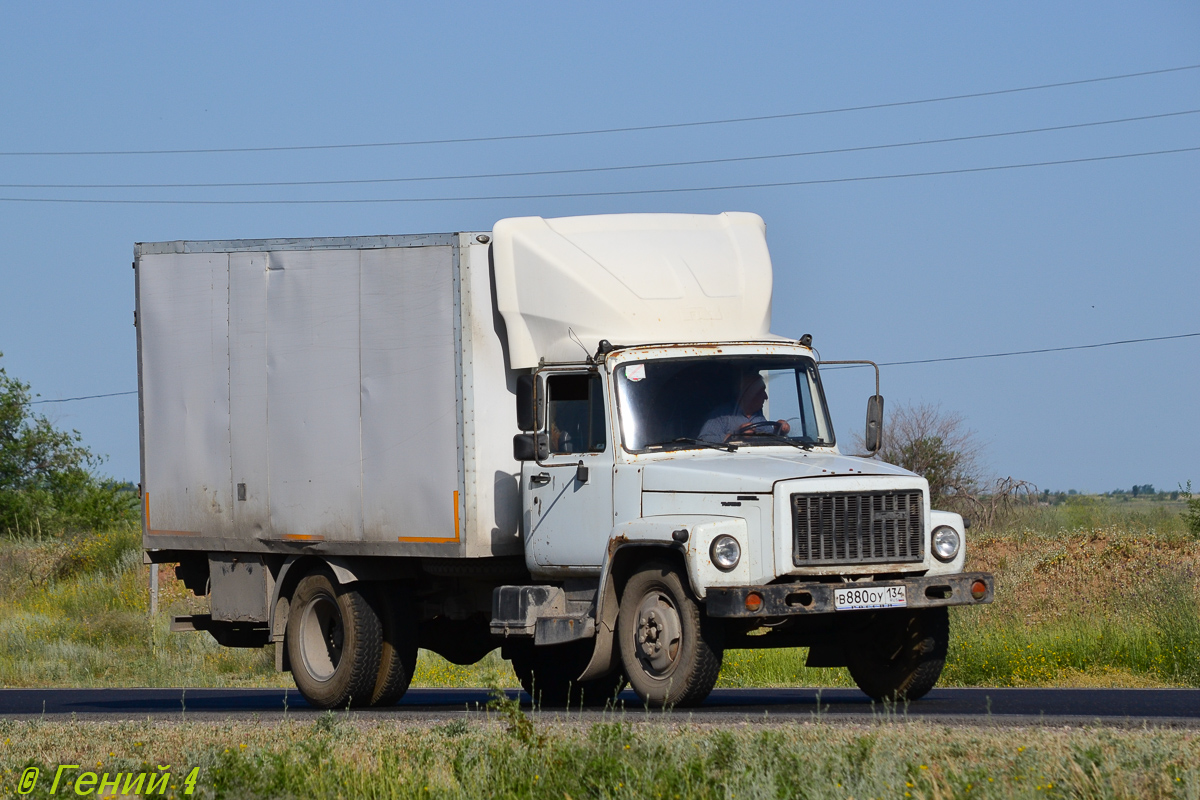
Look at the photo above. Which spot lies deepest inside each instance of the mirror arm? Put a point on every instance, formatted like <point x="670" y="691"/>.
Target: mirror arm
<point x="875" y="403"/>
<point x="872" y="363"/>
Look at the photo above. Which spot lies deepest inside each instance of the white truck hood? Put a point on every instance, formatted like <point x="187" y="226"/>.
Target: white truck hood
<point x="754" y="472"/>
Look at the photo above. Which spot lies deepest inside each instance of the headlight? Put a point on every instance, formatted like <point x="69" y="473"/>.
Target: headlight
<point x="725" y="552"/>
<point x="946" y="542"/>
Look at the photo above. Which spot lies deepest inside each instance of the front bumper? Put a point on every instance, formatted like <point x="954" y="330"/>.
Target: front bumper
<point x="794" y="599"/>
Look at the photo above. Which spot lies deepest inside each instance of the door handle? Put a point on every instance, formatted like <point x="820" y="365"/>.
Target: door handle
<point x="540" y="479"/>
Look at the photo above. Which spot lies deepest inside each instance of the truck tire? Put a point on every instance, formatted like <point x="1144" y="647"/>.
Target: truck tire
<point x="671" y="653"/>
<point x="398" y="653"/>
<point x="548" y="675"/>
<point x="334" y="641"/>
<point x="899" y="655"/>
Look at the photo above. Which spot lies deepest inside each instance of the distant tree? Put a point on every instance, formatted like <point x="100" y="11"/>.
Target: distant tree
<point x="47" y="475"/>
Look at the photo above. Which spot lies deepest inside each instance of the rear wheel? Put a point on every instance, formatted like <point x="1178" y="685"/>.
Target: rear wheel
<point x="670" y="651"/>
<point x="899" y="655"/>
<point x="334" y="641"/>
<point x="398" y="651"/>
<point x="549" y="675"/>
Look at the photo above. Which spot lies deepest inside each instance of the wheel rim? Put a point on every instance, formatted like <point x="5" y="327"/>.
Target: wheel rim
<point x="322" y="636"/>
<point x="658" y="635"/>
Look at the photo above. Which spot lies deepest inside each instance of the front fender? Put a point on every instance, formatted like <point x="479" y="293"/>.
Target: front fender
<point x="701" y="529"/>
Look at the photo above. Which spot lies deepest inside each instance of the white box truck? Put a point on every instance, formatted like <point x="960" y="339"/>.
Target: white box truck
<point x="572" y="439"/>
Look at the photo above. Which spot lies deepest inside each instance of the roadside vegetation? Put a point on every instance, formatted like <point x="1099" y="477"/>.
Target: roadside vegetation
<point x="1095" y="591"/>
<point x="631" y="754"/>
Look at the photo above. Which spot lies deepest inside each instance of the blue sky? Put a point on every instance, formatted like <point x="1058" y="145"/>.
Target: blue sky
<point x="886" y="269"/>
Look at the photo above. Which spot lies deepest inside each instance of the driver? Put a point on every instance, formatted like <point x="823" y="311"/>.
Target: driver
<point x="747" y="416"/>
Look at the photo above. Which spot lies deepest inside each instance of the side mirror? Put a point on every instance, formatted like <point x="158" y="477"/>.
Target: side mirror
<point x="874" y="437"/>
<point x="531" y="446"/>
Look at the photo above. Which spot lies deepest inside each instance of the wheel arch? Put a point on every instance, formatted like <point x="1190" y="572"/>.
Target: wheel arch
<point x="290" y="574"/>
<point x="623" y="558"/>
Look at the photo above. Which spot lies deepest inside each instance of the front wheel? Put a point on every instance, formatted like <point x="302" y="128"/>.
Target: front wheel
<point x="671" y="653"/>
<point x="334" y="641"/>
<point x="899" y="655"/>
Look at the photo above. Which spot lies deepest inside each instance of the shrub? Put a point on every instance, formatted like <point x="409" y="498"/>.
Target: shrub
<point x="1191" y="516"/>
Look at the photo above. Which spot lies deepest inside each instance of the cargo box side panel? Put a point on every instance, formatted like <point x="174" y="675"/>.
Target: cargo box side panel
<point x="410" y="443"/>
<point x="313" y="395"/>
<point x="489" y="414"/>
<point x="184" y="330"/>
<point x="248" y="393"/>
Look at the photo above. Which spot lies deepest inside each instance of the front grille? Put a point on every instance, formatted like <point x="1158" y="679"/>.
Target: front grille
<point x="857" y="528"/>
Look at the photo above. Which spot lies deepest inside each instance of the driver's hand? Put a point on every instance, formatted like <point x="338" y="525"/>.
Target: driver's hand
<point x="747" y="428"/>
<point x="783" y="427"/>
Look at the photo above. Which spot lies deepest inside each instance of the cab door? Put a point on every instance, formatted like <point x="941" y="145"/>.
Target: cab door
<point x="567" y="495"/>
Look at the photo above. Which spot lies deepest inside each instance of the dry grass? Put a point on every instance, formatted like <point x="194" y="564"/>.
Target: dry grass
<point x="1100" y="571"/>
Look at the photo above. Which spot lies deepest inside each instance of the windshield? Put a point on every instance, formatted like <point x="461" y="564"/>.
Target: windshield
<point x="721" y="400"/>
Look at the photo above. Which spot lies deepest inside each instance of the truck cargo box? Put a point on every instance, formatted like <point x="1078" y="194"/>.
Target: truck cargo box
<point x="322" y="393"/>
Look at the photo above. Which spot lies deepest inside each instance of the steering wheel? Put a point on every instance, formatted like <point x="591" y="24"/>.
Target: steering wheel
<point x="761" y="426"/>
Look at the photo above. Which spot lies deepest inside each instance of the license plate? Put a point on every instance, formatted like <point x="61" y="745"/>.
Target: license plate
<point x="874" y="597"/>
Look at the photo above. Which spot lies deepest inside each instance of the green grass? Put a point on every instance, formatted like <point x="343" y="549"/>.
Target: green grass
<point x="1111" y="601"/>
<point x="492" y="671"/>
<point x="1163" y="518"/>
<point x="628" y="756"/>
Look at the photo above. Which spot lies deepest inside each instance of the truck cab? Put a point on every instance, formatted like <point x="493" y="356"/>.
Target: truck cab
<point x="718" y="463"/>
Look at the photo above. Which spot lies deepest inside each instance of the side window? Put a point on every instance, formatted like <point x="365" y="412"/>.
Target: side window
<point x="575" y="413"/>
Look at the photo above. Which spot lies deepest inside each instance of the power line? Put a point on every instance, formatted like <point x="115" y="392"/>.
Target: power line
<point x="616" y="193"/>
<point x="882" y="363"/>
<point x="597" y="131"/>
<point x="1022" y="352"/>
<point x="1042" y="350"/>
<point x="85" y="397"/>
<point x="583" y="170"/>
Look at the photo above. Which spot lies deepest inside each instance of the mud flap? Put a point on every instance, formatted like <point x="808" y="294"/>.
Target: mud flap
<point x="604" y="655"/>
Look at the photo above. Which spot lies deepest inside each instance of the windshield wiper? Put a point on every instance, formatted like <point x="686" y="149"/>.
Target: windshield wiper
<point x="802" y="445"/>
<point x="731" y="448"/>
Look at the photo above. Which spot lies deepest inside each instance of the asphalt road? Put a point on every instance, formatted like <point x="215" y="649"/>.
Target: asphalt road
<point x="1124" y="707"/>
